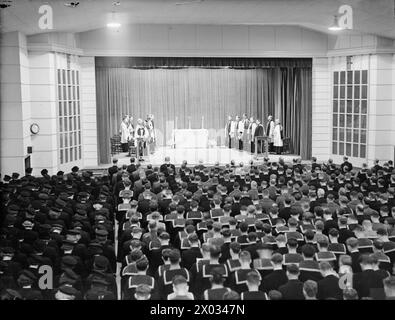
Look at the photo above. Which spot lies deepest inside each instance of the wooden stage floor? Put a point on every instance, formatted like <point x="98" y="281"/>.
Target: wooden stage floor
<point x="209" y="156"/>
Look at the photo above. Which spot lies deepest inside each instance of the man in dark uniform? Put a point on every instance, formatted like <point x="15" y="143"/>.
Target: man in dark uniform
<point x="217" y="290"/>
<point x="389" y="288"/>
<point x="201" y="280"/>
<point x="140" y="278"/>
<point x="190" y="255"/>
<point x="309" y="268"/>
<point x="99" y="291"/>
<point x="238" y="279"/>
<point x="328" y="287"/>
<point x="165" y="282"/>
<point x="26" y="282"/>
<point x="155" y="253"/>
<point x="253" y="284"/>
<point x="180" y="290"/>
<point x="166" y="166"/>
<point x="352" y="247"/>
<point x="100" y="269"/>
<point x="368" y="283"/>
<point x="346" y="166"/>
<point x="293" y="289"/>
<point x="277" y="277"/>
<point x="259" y="132"/>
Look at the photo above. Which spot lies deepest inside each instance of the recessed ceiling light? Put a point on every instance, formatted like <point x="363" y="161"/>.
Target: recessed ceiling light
<point x="113" y="25"/>
<point x="335" y="26"/>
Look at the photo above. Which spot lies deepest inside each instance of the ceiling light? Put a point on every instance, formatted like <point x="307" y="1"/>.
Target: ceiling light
<point x="335" y="26"/>
<point x="113" y="25"/>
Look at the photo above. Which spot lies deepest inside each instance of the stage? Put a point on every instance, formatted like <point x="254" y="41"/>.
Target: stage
<point x="209" y="156"/>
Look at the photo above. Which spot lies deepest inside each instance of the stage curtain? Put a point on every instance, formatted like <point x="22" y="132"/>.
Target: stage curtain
<point x="295" y="113"/>
<point x="192" y="93"/>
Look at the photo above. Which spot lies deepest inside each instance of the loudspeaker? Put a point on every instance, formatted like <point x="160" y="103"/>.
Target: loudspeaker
<point x="29" y="150"/>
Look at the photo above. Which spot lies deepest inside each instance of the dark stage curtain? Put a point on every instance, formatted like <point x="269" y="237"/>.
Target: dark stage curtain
<point x="193" y="93"/>
<point x="295" y="112"/>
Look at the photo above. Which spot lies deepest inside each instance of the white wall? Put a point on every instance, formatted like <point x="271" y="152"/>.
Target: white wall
<point x="339" y="63"/>
<point x="381" y="108"/>
<point x="353" y="42"/>
<point x="203" y="40"/>
<point x="44" y="111"/>
<point x="321" y="108"/>
<point x="15" y="103"/>
<point x="88" y="111"/>
<point x="367" y="52"/>
<point x="381" y="134"/>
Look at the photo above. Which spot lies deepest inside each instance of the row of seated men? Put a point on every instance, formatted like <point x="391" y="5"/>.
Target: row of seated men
<point x="67" y="222"/>
<point x="310" y="218"/>
<point x="57" y="237"/>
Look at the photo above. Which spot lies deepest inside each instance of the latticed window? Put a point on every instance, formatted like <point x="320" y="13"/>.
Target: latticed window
<point x="69" y="115"/>
<point x="350" y="108"/>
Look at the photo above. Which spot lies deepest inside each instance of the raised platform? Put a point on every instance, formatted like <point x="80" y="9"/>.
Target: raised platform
<point x="209" y="156"/>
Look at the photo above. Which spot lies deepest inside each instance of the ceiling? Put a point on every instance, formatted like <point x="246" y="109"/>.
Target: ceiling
<point x="370" y="16"/>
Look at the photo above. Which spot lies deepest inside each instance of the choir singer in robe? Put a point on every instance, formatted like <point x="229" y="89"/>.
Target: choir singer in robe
<point x="229" y="128"/>
<point x="278" y="137"/>
<point x="269" y="132"/>
<point x="141" y="138"/>
<point x="125" y="133"/>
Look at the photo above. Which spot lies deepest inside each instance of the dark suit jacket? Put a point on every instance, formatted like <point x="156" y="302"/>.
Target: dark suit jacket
<point x="344" y="234"/>
<point x="225" y="255"/>
<point x="274" y="280"/>
<point x="131" y="168"/>
<point x="329" y="288"/>
<point x="258" y="131"/>
<point x="328" y="225"/>
<point x="292" y="290"/>
<point x="368" y="283"/>
<point x="189" y="257"/>
<point x="355" y="261"/>
<point x="165" y="167"/>
<point x="112" y="170"/>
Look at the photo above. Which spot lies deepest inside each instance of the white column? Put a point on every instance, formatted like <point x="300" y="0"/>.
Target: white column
<point x="15" y="103"/>
<point x="321" y="109"/>
<point x="88" y="112"/>
<point x="44" y="111"/>
<point x="381" y="120"/>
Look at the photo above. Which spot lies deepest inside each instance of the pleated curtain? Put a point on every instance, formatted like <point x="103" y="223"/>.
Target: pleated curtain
<point x="177" y="97"/>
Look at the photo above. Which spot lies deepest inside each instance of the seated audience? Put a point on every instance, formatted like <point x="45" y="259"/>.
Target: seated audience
<point x="262" y="231"/>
